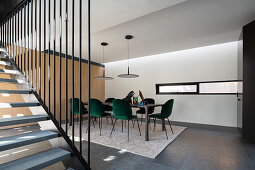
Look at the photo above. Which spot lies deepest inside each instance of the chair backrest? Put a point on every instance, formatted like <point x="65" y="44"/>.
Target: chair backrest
<point x="109" y="100"/>
<point x="96" y="108"/>
<point x="106" y="107"/>
<point x="76" y="106"/>
<point x="121" y="109"/>
<point x="148" y="101"/>
<point x="167" y="108"/>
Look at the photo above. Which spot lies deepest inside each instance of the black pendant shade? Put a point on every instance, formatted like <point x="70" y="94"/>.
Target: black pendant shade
<point x="103" y="44"/>
<point x="128" y="75"/>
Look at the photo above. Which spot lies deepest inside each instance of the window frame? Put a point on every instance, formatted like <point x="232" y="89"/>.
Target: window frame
<point x="197" y="89"/>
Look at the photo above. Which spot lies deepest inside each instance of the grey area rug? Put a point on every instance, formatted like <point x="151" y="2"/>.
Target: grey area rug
<point x="137" y="144"/>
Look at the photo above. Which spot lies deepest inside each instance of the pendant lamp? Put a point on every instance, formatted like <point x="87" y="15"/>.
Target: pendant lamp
<point x="128" y="75"/>
<point x="104" y="44"/>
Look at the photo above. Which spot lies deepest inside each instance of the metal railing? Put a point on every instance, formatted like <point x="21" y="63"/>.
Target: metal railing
<point x="19" y="29"/>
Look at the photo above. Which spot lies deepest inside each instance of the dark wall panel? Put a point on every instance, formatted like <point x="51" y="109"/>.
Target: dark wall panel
<point x="249" y="81"/>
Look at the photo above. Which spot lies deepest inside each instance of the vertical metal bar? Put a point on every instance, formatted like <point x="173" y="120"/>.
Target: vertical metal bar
<point x="54" y="58"/>
<point x="73" y="72"/>
<point x="28" y="40"/>
<point x="15" y="44"/>
<point x="89" y="83"/>
<point x="13" y="39"/>
<point x="24" y="42"/>
<point x="40" y="31"/>
<point x="31" y="44"/>
<point x="49" y="58"/>
<point x="66" y="62"/>
<point x="5" y="37"/>
<point x="21" y="59"/>
<point x="60" y="54"/>
<point x="35" y="44"/>
<point x="18" y="38"/>
<point x="44" y="53"/>
<point x="80" y="70"/>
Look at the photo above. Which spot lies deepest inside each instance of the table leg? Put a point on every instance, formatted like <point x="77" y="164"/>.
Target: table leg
<point x="146" y="124"/>
<point x="163" y="125"/>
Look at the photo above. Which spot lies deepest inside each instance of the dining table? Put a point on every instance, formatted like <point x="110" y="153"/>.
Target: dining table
<point x="146" y="108"/>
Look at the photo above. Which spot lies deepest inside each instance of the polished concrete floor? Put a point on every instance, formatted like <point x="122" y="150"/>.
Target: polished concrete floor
<point x="196" y="148"/>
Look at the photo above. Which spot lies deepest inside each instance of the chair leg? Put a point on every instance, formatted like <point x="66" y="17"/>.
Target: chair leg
<point x="133" y="121"/>
<point x="138" y="126"/>
<point x="122" y="126"/>
<point x="141" y="119"/>
<point x="128" y="130"/>
<point x="166" y="132"/>
<point x="93" y="123"/>
<point x="77" y="119"/>
<point x="112" y="121"/>
<point x="154" y="124"/>
<point x="113" y="126"/>
<point x="99" y="120"/>
<point x="170" y="126"/>
<point x="149" y="123"/>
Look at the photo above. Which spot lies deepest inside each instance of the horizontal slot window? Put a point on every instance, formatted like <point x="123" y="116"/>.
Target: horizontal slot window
<point x="212" y="87"/>
<point x="178" y="89"/>
<point x="221" y="87"/>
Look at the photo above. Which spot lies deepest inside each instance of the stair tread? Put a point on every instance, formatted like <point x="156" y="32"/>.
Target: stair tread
<point x="38" y="160"/>
<point x="19" y="104"/>
<point x="5" y="63"/>
<point x="7" y="71"/>
<point x="22" y="120"/>
<point x="12" y="80"/>
<point x="16" y="91"/>
<point x="26" y="139"/>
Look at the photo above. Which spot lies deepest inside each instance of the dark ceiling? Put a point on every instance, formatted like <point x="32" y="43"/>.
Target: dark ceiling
<point x="6" y="6"/>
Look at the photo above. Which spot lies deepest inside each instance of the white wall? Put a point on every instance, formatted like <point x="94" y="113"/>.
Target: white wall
<point x="217" y="62"/>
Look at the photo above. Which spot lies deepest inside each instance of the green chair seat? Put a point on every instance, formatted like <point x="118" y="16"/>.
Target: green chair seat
<point x="101" y="115"/>
<point x="76" y="106"/>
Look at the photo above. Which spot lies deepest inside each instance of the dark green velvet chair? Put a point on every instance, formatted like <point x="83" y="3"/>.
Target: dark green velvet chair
<point x="166" y="111"/>
<point x="122" y="110"/>
<point x="76" y="109"/>
<point x="97" y="110"/>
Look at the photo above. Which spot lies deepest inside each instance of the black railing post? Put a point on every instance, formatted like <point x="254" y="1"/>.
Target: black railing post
<point x="40" y="32"/>
<point x="27" y="40"/>
<point x="49" y="58"/>
<point x="72" y="71"/>
<point x="35" y="45"/>
<point x="60" y="54"/>
<point x="54" y="58"/>
<point x="44" y="53"/>
<point x="21" y="59"/>
<point x="66" y="62"/>
<point x="31" y="71"/>
<point x="89" y="83"/>
<point x="17" y="44"/>
<point x="24" y="41"/>
<point x="80" y="72"/>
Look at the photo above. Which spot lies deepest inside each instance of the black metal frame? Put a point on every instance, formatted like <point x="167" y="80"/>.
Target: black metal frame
<point x="14" y="31"/>
<point x="197" y="89"/>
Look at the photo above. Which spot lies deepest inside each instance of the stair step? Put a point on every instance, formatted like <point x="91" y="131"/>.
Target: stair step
<point x="19" y="104"/>
<point x="22" y="120"/>
<point x="12" y="80"/>
<point x="26" y="139"/>
<point x="38" y="160"/>
<point x="16" y="91"/>
<point x="5" y="63"/>
<point x="9" y="71"/>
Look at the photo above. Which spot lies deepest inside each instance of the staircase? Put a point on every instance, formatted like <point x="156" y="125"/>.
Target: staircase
<point x="38" y="160"/>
